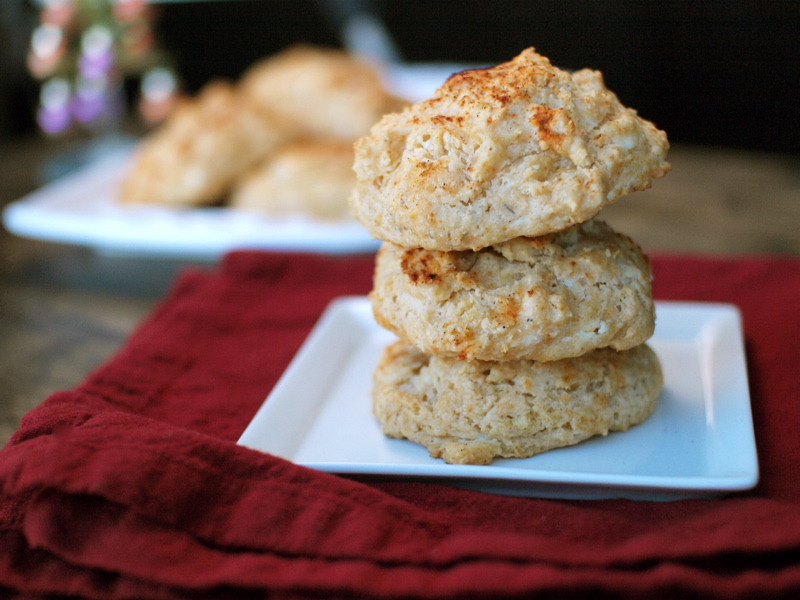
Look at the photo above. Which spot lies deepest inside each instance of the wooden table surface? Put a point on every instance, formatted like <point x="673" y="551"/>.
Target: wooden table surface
<point x="64" y="310"/>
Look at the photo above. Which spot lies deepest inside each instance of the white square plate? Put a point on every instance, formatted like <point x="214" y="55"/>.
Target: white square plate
<point x="699" y="442"/>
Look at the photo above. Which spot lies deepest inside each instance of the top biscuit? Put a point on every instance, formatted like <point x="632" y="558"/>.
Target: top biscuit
<point x="520" y="149"/>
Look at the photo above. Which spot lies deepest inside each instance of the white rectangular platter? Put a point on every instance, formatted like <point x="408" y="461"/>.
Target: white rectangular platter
<point x="699" y="442"/>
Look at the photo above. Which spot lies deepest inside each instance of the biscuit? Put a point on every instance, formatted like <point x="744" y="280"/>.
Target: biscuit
<point x="520" y="149"/>
<point x="312" y="178"/>
<point x="542" y="298"/>
<point x="471" y="412"/>
<point x="320" y="92"/>
<point x="196" y="155"/>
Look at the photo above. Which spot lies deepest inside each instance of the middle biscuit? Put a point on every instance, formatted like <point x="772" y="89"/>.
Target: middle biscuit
<point x="546" y="298"/>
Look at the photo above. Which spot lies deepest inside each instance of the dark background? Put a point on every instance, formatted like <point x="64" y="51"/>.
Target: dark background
<point x="713" y="72"/>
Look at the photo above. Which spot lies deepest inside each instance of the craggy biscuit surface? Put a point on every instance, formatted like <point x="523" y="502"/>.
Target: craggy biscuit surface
<point x="471" y="412"/>
<point x="320" y="92"/>
<point x="194" y="158"/>
<point x="311" y="177"/>
<point x="520" y="149"/>
<point x="542" y="298"/>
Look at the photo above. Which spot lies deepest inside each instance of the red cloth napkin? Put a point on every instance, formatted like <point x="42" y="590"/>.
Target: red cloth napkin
<point x="132" y="486"/>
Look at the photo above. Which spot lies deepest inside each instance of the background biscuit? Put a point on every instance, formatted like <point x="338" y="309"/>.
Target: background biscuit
<point x="320" y="92"/>
<point x="194" y="158"/>
<point x="311" y="177"/>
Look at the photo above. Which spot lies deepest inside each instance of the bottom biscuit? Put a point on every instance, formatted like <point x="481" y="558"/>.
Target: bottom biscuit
<point x="471" y="412"/>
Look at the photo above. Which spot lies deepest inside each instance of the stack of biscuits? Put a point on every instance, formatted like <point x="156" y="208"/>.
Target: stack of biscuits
<point x="521" y="318"/>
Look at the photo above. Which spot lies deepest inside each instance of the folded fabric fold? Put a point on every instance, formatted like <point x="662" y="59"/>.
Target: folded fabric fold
<point x="132" y="485"/>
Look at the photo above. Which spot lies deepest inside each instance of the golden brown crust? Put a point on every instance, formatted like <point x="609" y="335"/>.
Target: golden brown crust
<point x="521" y="149"/>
